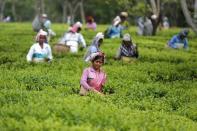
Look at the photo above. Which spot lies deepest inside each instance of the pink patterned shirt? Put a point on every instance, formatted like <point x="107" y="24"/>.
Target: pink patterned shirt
<point x="93" y="79"/>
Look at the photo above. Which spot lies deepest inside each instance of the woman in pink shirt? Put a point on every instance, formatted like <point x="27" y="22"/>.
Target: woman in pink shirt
<point x="90" y="23"/>
<point x="93" y="78"/>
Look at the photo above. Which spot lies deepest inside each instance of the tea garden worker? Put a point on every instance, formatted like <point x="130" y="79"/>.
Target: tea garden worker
<point x="41" y="31"/>
<point x="95" y="46"/>
<point x="127" y="49"/>
<point x="124" y="23"/>
<point x="42" y="22"/>
<point x="41" y="51"/>
<point x="165" y="23"/>
<point x="180" y="40"/>
<point x="115" y="30"/>
<point x="71" y="40"/>
<point x="93" y="78"/>
<point x="90" y="23"/>
<point x="47" y="27"/>
<point x="145" y="26"/>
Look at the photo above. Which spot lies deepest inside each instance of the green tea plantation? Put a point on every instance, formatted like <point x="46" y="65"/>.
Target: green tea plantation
<point x="157" y="92"/>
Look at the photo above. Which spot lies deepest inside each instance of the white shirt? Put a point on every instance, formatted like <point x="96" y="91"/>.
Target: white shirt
<point x="77" y="37"/>
<point x="39" y="54"/>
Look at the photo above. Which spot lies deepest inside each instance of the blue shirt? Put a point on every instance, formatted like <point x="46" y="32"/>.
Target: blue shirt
<point x="177" y="40"/>
<point x="93" y="49"/>
<point x="115" y="32"/>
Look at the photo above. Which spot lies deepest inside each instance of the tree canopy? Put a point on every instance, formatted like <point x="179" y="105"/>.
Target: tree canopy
<point x="103" y="11"/>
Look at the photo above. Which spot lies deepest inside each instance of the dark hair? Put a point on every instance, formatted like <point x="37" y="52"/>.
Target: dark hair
<point x="184" y="33"/>
<point x="78" y="29"/>
<point x="127" y="42"/>
<point x="90" y="20"/>
<point x="100" y="41"/>
<point x="98" y="57"/>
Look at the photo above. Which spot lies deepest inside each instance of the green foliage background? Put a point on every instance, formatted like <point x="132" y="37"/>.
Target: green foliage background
<point x="103" y="11"/>
<point x="158" y="92"/>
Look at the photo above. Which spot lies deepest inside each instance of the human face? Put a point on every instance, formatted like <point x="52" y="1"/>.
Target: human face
<point x="182" y="37"/>
<point x="42" y="39"/>
<point x="78" y="30"/>
<point x="100" y="42"/>
<point x="97" y="64"/>
<point x="123" y="18"/>
<point x="43" y="19"/>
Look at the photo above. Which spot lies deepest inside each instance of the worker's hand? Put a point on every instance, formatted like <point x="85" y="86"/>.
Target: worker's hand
<point x="47" y="60"/>
<point x="101" y="94"/>
<point x="97" y="92"/>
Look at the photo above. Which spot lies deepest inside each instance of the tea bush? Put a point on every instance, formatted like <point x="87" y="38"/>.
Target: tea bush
<point x="157" y="92"/>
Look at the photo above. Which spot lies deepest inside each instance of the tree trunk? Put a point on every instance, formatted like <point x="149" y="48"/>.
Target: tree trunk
<point x="82" y="12"/>
<point x="153" y="6"/>
<point x="195" y="12"/>
<point x="42" y="6"/>
<point x="14" y="10"/>
<point x="65" y="5"/>
<point x="2" y="6"/>
<point x="73" y="7"/>
<point x="156" y="10"/>
<point x="188" y="16"/>
<point x="71" y="12"/>
<point x="156" y="24"/>
<point x="39" y="7"/>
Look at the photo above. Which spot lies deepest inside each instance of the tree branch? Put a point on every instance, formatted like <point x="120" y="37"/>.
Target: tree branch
<point x="153" y="6"/>
<point x="188" y="16"/>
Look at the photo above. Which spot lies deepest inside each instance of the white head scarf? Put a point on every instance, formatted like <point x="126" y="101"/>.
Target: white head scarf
<point x="98" y="36"/>
<point x="116" y="20"/>
<point x="95" y="43"/>
<point x="78" y="24"/>
<point x="44" y="15"/>
<point x="125" y="14"/>
<point x="75" y="27"/>
<point x="154" y="17"/>
<point x="93" y="55"/>
<point x="127" y="37"/>
<point x="41" y="32"/>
